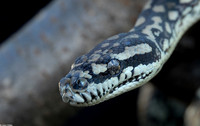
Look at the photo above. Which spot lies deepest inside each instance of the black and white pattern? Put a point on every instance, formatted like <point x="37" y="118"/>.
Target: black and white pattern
<point x="128" y="60"/>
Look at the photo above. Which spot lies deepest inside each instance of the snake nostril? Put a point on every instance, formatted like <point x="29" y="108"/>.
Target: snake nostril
<point x="63" y="83"/>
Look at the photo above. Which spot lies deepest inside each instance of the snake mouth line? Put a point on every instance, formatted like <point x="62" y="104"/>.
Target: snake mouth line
<point x="130" y="80"/>
<point x="96" y="96"/>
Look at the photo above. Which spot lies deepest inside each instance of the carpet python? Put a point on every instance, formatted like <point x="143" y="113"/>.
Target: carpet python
<point x="128" y="60"/>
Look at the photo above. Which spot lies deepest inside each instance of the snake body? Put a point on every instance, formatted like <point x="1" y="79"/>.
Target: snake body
<point x="128" y="60"/>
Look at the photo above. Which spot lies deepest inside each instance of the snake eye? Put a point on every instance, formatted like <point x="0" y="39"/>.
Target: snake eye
<point x="80" y="84"/>
<point x="113" y="67"/>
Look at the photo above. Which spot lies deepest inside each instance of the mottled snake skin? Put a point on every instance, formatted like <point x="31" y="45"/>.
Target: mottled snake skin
<point x="128" y="60"/>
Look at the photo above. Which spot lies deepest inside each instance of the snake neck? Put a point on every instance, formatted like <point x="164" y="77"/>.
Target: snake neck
<point x="165" y="21"/>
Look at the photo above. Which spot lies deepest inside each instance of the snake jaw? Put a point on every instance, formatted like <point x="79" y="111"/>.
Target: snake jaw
<point x="76" y="90"/>
<point x="96" y="93"/>
<point x="92" y="95"/>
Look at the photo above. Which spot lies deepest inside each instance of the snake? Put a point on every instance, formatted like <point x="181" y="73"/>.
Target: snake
<point x="128" y="60"/>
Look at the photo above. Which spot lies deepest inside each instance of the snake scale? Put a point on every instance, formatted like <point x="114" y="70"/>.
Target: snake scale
<point x="128" y="60"/>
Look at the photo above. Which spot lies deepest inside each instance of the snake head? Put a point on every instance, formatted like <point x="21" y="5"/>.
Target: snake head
<point x="110" y="69"/>
<point x="80" y="86"/>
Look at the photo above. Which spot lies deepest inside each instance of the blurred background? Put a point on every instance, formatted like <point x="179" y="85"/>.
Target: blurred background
<point x="15" y="15"/>
<point x="41" y="39"/>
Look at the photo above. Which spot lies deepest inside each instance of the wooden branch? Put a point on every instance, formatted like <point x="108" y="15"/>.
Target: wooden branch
<point x="37" y="56"/>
